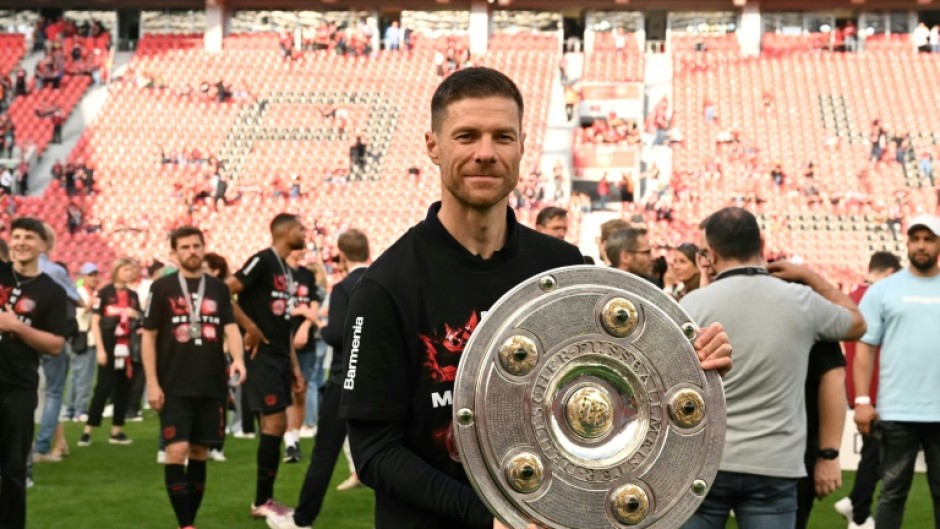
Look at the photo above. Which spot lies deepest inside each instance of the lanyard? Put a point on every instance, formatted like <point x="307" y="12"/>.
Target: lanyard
<point x="743" y="271"/>
<point x="291" y="287"/>
<point x="195" y="311"/>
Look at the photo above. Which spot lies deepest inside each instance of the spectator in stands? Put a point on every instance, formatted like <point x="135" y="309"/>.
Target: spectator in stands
<point x="777" y="175"/>
<point x="572" y="96"/>
<point x="921" y="38"/>
<point x="74" y="217"/>
<point x="357" y="155"/>
<point x="903" y="143"/>
<point x="6" y="181"/>
<point x="19" y="83"/>
<point x="857" y="506"/>
<point x="286" y="43"/>
<point x="626" y="190"/>
<point x="878" y="137"/>
<point x="552" y="221"/>
<point x="926" y="166"/>
<point x="393" y="35"/>
<point x="629" y="250"/>
<point x="7" y="134"/>
<point x="764" y="414"/>
<point x="902" y="311"/>
<point x="710" y="111"/>
<point x="934" y="39"/>
<point x="683" y="266"/>
<point x="603" y="190"/>
<point x="850" y="35"/>
<point x="56" y="115"/>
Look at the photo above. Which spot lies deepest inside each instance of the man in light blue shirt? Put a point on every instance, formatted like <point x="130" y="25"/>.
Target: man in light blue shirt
<point x="903" y="316"/>
<point x="55" y="367"/>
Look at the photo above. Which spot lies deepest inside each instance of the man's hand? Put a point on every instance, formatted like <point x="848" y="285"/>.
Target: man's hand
<point x="714" y="349"/>
<point x="299" y="382"/>
<point x="155" y="396"/>
<point x="238" y="366"/>
<point x="788" y="271"/>
<point x="254" y="338"/>
<point x="101" y="356"/>
<point x="9" y="321"/>
<point x="865" y="417"/>
<point x="131" y="313"/>
<point x="828" y="477"/>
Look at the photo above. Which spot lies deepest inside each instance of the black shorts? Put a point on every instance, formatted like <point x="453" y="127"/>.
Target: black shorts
<point x="269" y="382"/>
<point x="197" y="420"/>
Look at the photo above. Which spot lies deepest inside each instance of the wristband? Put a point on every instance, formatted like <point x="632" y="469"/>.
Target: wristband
<point x="863" y="400"/>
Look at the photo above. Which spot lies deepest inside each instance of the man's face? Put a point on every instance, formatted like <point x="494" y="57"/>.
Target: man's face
<point x="639" y="261"/>
<point x="91" y="280"/>
<point x="923" y="249"/>
<point x="478" y="149"/>
<point x="189" y="253"/>
<point x="297" y="236"/>
<point x="556" y="227"/>
<point x="26" y="246"/>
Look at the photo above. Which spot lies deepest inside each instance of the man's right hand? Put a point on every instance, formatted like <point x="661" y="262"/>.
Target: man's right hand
<point x="254" y="338"/>
<point x="155" y="396"/>
<point x="865" y="417"/>
<point x="101" y="356"/>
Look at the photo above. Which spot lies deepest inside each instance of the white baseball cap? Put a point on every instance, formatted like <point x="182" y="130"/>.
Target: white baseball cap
<point x="931" y="222"/>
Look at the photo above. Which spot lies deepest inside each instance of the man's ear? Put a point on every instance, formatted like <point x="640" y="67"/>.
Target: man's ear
<point x="432" y="143"/>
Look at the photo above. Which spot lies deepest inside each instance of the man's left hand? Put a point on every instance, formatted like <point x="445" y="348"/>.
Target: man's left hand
<point x="238" y="366"/>
<point x="714" y="349"/>
<point x="828" y="477"/>
<point x="298" y="380"/>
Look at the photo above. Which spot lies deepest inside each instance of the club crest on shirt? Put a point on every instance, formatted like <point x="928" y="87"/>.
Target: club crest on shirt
<point x="443" y="354"/>
<point x="278" y="306"/>
<point x="178" y="306"/>
<point x="25" y="306"/>
<point x="181" y="333"/>
<point x="280" y="283"/>
<point x="209" y="306"/>
<point x="303" y="291"/>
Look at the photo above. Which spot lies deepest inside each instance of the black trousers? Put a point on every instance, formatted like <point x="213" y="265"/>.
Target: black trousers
<point x="111" y="383"/>
<point x="16" y="437"/>
<point x="806" y="491"/>
<point x="866" y="479"/>
<point x="136" y="394"/>
<point x="331" y="432"/>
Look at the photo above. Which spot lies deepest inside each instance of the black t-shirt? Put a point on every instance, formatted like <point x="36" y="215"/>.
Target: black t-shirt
<point x="188" y="367"/>
<point x="408" y="322"/>
<point x="822" y="357"/>
<point x="107" y="305"/>
<point x="266" y="297"/>
<point x="336" y="322"/>
<point x="38" y="302"/>
<point x="306" y="294"/>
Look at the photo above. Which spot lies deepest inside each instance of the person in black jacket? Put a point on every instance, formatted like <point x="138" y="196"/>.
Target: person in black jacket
<point x="414" y="309"/>
<point x="353" y="248"/>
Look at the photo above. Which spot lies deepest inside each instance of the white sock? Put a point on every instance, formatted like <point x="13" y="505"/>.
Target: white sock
<point x="291" y="438"/>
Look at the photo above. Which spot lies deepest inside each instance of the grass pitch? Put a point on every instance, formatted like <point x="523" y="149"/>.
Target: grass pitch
<point x="121" y="487"/>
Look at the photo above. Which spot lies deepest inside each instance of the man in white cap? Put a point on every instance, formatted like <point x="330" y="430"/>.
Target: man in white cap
<point x="903" y="316"/>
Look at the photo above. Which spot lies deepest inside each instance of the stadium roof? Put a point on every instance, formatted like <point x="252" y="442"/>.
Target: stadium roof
<point x="560" y="5"/>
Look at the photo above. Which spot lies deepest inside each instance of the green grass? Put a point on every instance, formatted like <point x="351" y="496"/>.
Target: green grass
<point x="121" y="487"/>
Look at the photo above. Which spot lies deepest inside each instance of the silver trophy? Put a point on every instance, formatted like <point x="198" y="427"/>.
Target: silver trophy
<point x="580" y="404"/>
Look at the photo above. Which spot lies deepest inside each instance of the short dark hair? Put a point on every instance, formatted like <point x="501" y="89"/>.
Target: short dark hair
<point x="30" y="224"/>
<point x="355" y="245"/>
<point x="472" y="83"/>
<point x="608" y="228"/>
<point x="185" y="231"/>
<point x="623" y="240"/>
<point x="217" y="262"/>
<point x="283" y="219"/>
<point x="549" y="213"/>
<point x="689" y="250"/>
<point x="881" y="261"/>
<point x="733" y="233"/>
